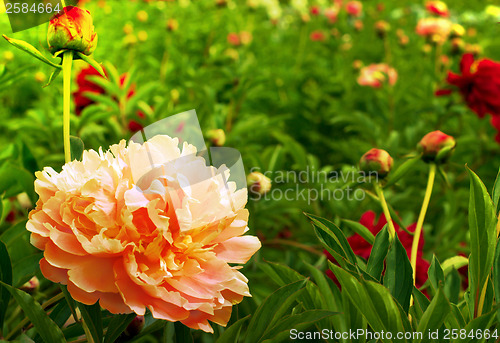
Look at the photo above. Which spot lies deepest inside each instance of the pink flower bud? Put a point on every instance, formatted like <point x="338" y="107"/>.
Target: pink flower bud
<point x="258" y="183"/>
<point x="436" y="146"/>
<point x="376" y="160"/>
<point x="72" y="29"/>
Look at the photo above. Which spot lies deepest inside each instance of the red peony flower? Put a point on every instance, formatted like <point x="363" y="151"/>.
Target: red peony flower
<point x="85" y="85"/>
<point x="315" y="10"/>
<point x="317" y="36"/>
<point x="354" y="8"/>
<point x="479" y="85"/>
<point x="363" y="249"/>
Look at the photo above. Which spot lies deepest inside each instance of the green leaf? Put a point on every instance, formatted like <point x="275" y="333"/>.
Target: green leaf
<point x="59" y="315"/>
<point x="482" y="227"/>
<point x="401" y="171"/>
<point x="52" y="77"/>
<point x="49" y="331"/>
<point x="455" y="262"/>
<point x="332" y="300"/>
<point x="272" y="309"/>
<point x="1" y="212"/>
<point x="25" y="268"/>
<point x="398" y="276"/>
<point x="495" y="194"/>
<point x="452" y="286"/>
<point x="480" y="323"/>
<point x="182" y="333"/>
<point x="71" y="303"/>
<point x="77" y="147"/>
<point x="435" y="273"/>
<point x="6" y="277"/>
<point x="496" y="273"/>
<point x="30" y="49"/>
<point x="97" y="66"/>
<point x="281" y="331"/>
<point x="284" y="275"/>
<point x="360" y="229"/>
<point x="117" y="325"/>
<point x="379" y="251"/>
<point x="434" y="316"/>
<point x="102" y="99"/>
<point x="332" y="238"/>
<point x="372" y="300"/>
<point x="420" y="301"/>
<point x="91" y="314"/>
<point x="232" y="333"/>
<point x="351" y="317"/>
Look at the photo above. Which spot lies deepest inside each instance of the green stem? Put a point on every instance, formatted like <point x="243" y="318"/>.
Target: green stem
<point x="63" y="3"/>
<point x="387" y="213"/>
<point x="421" y="217"/>
<point x="67" y="62"/>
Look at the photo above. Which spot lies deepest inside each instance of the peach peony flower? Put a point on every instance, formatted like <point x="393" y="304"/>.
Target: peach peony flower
<point x="375" y="75"/>
<point x="435" y="29"/>
<point x="115" y="230"/>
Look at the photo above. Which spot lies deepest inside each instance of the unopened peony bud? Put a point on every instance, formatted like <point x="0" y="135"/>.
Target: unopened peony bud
<point x="258" y="183"/>
<point x="436" y="146"/>
<point x="172" y="24"/>
<point x="376" y="160"/>
<point x="217" y="137"/>
<point x="72" y="29"/>
<point x="382" y="27"/>
<point x="31" y="286"/>
<point x="457" y="46"/>
<point x="135" y="326"/>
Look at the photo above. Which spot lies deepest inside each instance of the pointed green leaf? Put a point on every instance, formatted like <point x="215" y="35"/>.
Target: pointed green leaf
<point x="455" y="262"/>
<point x="91" y="314"/>
<point x="117" y="325"/>
<point x="495" y="194"/>
<point x="97" y="66"/>
<point x="231" y="334"/>
<point x="372" y="299"/>
<point x="272" y="309"/>
<point x="30" y="49"/>
<point x="360" y="229"/>
<point x="281" y="331"/>
<point x="434" y="316"/>
<point x="480" y="323"/>
<point x="333" y="238"/>
<point x="435" y="273"/>
<point x="53" y="76"/>
<point x="379" y="251"/>
<point x="482" y="227"/>
<point x="398" y="276"/>
<point x="49" y="331"/>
